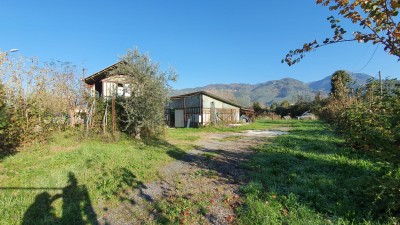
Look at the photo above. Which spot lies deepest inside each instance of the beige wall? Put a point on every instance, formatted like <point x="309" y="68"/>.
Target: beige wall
<point x="218" y="104"/>
<point x="227" y="111"/>
<point x="110" y="86"/>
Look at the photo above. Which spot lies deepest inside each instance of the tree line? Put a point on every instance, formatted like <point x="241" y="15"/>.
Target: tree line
<point x="39" y="98"/>
<point x="367" y="115"/>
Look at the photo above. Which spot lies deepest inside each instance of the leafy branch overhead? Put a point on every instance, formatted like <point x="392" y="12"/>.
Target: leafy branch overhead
<point x="378" y="20"/>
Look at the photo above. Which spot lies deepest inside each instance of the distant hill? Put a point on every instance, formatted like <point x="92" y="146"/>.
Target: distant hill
<point x="279" y="90"/>
<point x="271" y="91"/>
<point x="325" y="84"/>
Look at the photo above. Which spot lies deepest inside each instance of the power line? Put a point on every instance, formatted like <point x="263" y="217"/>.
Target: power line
<point x="373" y="54"/>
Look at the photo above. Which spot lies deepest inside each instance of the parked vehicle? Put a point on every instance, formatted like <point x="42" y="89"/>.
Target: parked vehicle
<point x="307" y="116"/>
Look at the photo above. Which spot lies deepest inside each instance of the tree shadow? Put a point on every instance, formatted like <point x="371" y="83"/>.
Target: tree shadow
<point x="336" y="189"/>
<point x="149" y="200"/>
<point x="326" y="142"/>
<point x="327" y="180"/>
<point x="312" y="171"/>
<point x="227" y="164"/>
<point x="7" y="150"/>
<point x="76" y="206"/>
<point x="129" y="179"/>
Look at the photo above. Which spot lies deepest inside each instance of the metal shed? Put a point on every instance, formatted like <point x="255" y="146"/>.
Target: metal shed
<point x="200" y="109"/>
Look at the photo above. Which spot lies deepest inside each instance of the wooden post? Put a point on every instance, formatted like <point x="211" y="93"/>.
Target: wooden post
<point x="105" y="119"/>
<point x="103" y="92"/>
<point x="113" y="113"/>
<point x="201" y="109"/>
<point x="184" y="110"/>
<point x="213" y="113"/>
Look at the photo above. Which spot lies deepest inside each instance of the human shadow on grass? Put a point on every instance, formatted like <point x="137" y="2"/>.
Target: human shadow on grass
<point x="76" y="206"/>
<point x="134" y="199"/>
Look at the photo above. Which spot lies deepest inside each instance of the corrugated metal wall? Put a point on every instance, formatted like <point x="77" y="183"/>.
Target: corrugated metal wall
<point x="197" y="109"/>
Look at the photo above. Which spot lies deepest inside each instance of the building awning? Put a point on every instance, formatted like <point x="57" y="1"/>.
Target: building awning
<point x="101" y="74"/>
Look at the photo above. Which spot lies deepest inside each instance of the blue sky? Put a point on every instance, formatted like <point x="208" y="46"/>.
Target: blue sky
<point x="209" y="41"/>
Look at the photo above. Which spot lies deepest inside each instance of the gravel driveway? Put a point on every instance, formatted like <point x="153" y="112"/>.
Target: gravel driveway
<point x="202" y="187"/>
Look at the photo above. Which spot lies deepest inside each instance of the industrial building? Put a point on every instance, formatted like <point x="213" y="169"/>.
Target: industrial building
<point x="200" y="109"/>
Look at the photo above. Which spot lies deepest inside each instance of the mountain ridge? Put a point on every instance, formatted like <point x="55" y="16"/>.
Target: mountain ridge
<point x="270" y="91"/>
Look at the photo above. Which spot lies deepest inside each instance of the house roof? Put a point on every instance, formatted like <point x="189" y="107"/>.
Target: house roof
<point x="209" y="95"/>
<point x="101" y="74"/>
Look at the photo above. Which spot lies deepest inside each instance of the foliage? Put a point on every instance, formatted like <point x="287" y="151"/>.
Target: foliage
<point x="305" y="177"/>
<point x="142" y="112"/>
<point x="367" y="117"/>
<point x="257" y="108"/>
<point x="99" y="120"/>
<point x="377" y="19"/>
<point x="372" y="124"/>
<point x="34" y="97"/>
<point x="308" y="177"/>
<point x="3" y="116"/>
<point x="339" y="84"/>
<point x="301" y="105"/>
<point x="67" y="89"/>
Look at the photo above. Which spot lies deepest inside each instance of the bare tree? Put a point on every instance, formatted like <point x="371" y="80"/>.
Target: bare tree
<point x="66" y="89"/>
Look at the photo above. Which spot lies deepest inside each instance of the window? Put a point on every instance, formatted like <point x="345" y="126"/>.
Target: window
<point x="120" y="90"/>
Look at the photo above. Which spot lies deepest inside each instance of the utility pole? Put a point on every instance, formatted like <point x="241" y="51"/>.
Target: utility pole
<point x="380" y="82"/>
<point x="83" y="72"/>
<point x="83" y="81"/>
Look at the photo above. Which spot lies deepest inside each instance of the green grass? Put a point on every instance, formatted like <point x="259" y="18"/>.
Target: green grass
<point x="74" y="179"/>
<point x="209" y="155"/>
<point x="38" y="183"/>
<point x="193" y="134"/>
<point x="308" y="177"/>
<point x="305" y="177"/>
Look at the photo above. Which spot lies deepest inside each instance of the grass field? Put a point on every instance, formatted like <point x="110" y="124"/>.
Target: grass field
<point x="78" y="178"/>
<point x="306" y="177"/>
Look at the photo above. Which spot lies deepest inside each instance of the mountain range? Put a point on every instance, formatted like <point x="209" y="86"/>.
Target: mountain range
<point x="271" y="91"/>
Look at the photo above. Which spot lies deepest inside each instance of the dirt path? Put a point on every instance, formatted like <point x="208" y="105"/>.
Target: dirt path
<point x="200" y="188"/>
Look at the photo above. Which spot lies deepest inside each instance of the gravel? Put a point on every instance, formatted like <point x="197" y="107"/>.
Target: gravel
<point x="210" y="173"/>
